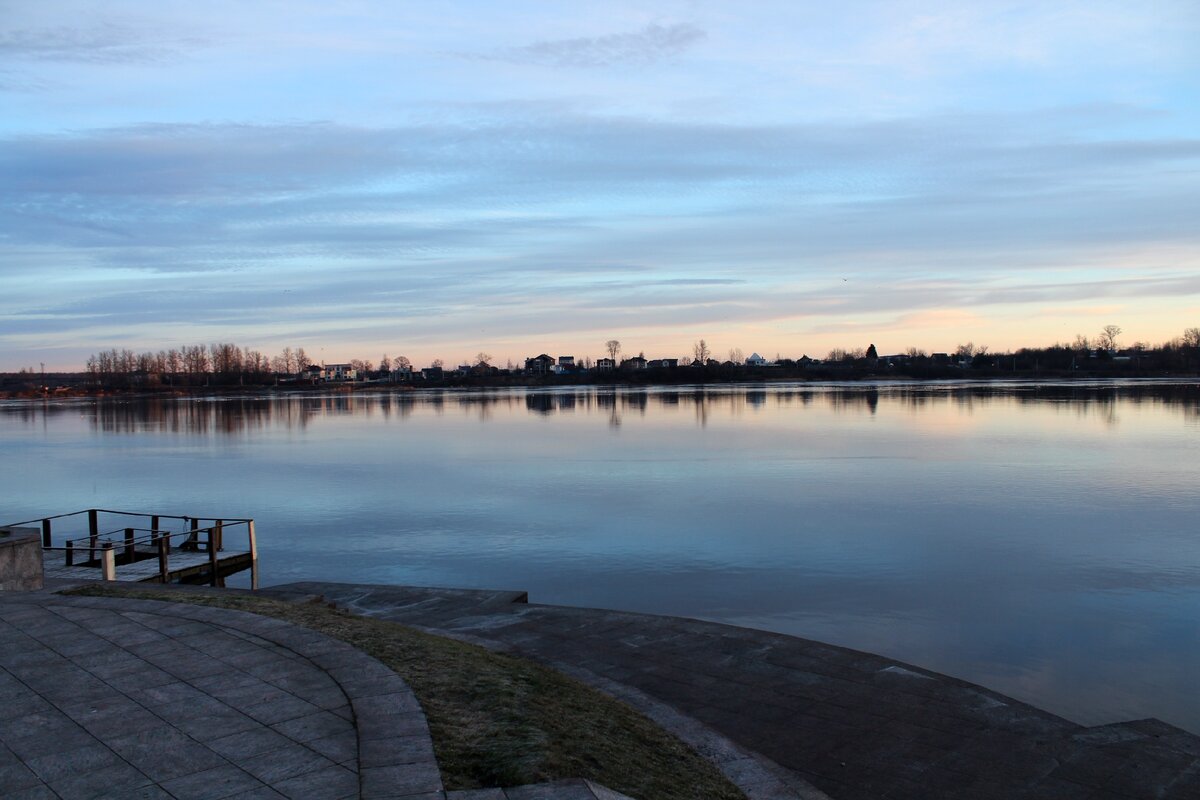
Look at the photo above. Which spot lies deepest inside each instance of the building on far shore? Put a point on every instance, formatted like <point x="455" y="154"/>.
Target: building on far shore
<point x="637" y="362"/>
<point x="605" y="365"/>
<point x="328" y="373"/>
<point x="539" y="365"/>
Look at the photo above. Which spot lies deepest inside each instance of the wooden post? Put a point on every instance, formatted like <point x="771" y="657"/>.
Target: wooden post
<point x="70" y="553"/>
<point x="164" y="547"/>
<point x="129" y="548"/>
<point x="212" y="556"/>
<point x="154" y="522"/>
<point x="92" y="544"/>
<point x="45" y="533"/>
<point x="108" y="562"/>
<point x="193" y="542"/>
<point x="219" y="532"/>
<point x="253" y="555"/>
<point x="93" y="523"/>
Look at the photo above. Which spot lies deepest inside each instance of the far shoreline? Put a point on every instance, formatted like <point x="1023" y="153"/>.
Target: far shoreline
<point x="71" y="386"/>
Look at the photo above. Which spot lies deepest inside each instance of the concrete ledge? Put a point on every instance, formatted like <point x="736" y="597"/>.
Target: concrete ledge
<point x="802" y="714"/>
<point x="20" y="559"/>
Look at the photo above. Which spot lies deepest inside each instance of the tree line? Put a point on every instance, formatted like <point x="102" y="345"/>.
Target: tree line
<point x="228" y="364"/>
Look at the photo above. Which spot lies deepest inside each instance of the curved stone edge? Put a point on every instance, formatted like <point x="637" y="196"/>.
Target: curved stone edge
<point x="758" y="777"/>
<point x="395" y="749"/>
<point x="571" y="789"/>
<point x="755" y="775"/>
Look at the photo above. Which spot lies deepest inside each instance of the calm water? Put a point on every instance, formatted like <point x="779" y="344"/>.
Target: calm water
<point x="1042" y="541"/>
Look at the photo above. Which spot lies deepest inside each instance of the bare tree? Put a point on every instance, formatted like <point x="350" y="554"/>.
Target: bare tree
<point x="385" y="363"/>
<point x="302" y="360"/>
<point x="438" y="363"/>
<point x="483" y="359"/>
<point x="700" y="351"/>
<point x="613" y="347"/>
<point x="402" y="362"/>
<point x="1191" y="337"/>
<point x="1108" y="336"/>
<point x="965" y="351"/>
<point x="735" y="355"/>
<point x="915" y="352"/>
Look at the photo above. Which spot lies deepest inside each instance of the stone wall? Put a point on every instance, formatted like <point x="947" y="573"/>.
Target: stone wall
<point x="20" y="559"/>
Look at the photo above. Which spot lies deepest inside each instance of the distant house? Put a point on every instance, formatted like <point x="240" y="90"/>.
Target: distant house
<point x="565" y="364"/>
<point x="605" y="365"/>
<point x="637" y="362"/>
<point x="755" y="360"/>
<point x="539" y="365"/>
<point x="432" y="373"/>
<point x="663" y="363"/>
<point x="402" y="373"/>
<point x="337" y="372"/>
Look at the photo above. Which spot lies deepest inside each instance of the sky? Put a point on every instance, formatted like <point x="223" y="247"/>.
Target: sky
<point x="437" y="180"/>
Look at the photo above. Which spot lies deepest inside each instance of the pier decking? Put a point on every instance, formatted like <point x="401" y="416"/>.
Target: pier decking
<point x="134" y="547"/>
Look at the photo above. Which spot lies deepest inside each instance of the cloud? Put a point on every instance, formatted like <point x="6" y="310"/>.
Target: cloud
<point x="533" y="225"/>
<point x="101" y="44"/>
<point x="647" y="46"/>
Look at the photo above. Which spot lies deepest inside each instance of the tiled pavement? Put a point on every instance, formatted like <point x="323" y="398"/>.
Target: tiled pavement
<point x="855" y="725"/>
<point x="117" y="698"/>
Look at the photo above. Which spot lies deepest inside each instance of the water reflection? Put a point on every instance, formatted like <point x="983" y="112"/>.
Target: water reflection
<point x="236" y="416"/>
<point x="1039" y="539"/>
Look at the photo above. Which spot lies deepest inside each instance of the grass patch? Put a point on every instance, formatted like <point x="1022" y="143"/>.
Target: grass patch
<point x="496" y="719"/>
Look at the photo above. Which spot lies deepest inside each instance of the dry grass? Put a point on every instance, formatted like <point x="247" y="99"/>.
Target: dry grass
<point x="499" y="720"/>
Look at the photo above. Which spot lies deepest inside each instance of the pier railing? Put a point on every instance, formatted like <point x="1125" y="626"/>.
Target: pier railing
<point x="109" y="548"/>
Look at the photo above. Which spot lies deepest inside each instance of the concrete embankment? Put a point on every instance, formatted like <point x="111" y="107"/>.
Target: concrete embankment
<point x="802" y="713"/>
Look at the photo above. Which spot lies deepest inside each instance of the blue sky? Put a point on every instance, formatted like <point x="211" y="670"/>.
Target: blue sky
<point x="437" y="180"/>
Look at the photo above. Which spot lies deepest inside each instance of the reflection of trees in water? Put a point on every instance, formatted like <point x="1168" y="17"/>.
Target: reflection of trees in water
<point x="636" y="401"/>
<point x="863" y="400"/>
<point x="232" y="416"/>
<point x="225" y="417"/>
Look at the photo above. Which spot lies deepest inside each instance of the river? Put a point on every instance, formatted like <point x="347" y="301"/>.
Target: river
<point x="1041" y="540"/>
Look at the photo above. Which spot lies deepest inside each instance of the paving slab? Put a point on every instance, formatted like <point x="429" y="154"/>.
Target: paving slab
<point x="806" y="714"/>
<point x="115" y="697"/>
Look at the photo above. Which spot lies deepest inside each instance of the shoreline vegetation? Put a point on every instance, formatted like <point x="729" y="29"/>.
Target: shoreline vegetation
<point x="227" y="368"/>
<point x="16" y="386"/>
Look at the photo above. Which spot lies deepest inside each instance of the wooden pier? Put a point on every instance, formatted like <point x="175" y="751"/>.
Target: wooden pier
<point x="134" y="547"/>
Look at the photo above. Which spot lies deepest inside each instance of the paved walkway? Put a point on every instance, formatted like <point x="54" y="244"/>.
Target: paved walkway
<point x="103" y="697"/>
<point x="855" y="725"/>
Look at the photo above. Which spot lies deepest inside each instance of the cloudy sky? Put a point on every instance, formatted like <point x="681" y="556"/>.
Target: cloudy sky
<point x="439" y="179"/>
